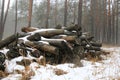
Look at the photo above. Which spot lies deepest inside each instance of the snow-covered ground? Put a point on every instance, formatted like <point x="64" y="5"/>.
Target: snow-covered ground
<point x="106" y="69"/>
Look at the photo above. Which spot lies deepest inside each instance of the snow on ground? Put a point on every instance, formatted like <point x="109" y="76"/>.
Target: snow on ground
<point x="106" y="69"/>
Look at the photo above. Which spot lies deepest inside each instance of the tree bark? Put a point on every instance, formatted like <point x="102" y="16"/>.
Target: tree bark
<point x="43" y="47"/>
<point x="67" y="38"/>
<point x="56" y="42"/>
<point x="50" y="33"/>
<point x="15" y="17"/>
<point x="28" y="29"/>
<point x="35" y="37"/>
<point x="56" y="11"/>
<point x="6" y="13"/>
<point x="65" y="13"/>
<point x="30" y="13"/>
<point x="9" y="40"/>
<point x="47" y="14"/>
<point x="80" y="13"/>
<point x="1" y="21"/>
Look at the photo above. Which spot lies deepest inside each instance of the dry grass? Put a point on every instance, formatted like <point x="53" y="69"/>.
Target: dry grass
<point x="41" y="61"/>
<point x="3" y="74"/>
<point x="26" y="75"/>
<point x="59" y="72"/>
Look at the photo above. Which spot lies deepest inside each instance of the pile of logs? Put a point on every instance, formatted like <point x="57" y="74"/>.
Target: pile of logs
<point x="58" y="45"/>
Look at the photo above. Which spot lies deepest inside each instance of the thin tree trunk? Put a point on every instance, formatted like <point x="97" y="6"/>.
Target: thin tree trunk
<point x="6" y="13"/>
<point x="109" y="21"/>
<point x="80" y="13"/>
<point x="65" y="13"/>
<point x="16" y="17"/>
<point x="105" y="22"/>
<point x="113" y="23"/>
<point x="56" y="3"/>
<point x="1" y="21"/>
<point x="47" y="13"/>
<point x="117" y="22"/>
<point x="74" y="13"/>
<point x="30" y="13"/>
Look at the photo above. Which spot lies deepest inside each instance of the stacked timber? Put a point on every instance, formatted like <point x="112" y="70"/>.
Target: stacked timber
<point x="58" y="45"/>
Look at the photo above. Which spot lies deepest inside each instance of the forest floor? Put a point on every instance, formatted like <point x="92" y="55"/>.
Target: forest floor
<point x="106" y="69"/>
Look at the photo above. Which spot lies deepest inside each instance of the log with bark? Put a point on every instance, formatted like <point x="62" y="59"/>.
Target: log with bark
<point x="43" y="47"/>
<point x="56" y="45"/>
<point x="73" y="27"/>
<point x="93" y="48"/>
<point x="28" y="29"/>
<point x="35" y="37"/>
<point x="50" y="33"/>
<point x="2" y="58"/>
<point x="10" y="39"/>
<point x="55" y="42"/>
<point x="67" y="38"/>
<point x="97" y="44"/>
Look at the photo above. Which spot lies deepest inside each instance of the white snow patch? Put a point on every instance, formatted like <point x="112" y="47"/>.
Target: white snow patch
<point x="107" y="69"/>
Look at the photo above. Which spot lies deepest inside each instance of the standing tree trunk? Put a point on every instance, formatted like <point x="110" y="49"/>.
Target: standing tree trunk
<point x="56" y="4"/>
<point x="65" y="13"/>
<point x="47" y="13"/>
<point x="16" y="17"/>
<point x="113" y="22"/>
<point x="74" y="13"/>
<point x="30" y="13"/>
<point x="80" y="13"/>
<point x="117" y="21"/>
<point x="6" y="13"/>
<point x="1" y="21"/>
<point x="104" y="34"/>
<point x="109" y="21"/>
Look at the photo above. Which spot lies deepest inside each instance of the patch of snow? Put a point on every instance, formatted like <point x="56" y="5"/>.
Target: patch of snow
<point x="107" y="69"/>
<point x="13" y="77"/>
<point x="40" y="30"/>
<point x="4" y="50"/>
<point x="24" y="38"/>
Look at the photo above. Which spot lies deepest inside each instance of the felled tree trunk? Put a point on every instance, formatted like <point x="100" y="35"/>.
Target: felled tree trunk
<point x="67" y="38"/>
<point x="92" y="44"/>
<point x="93" y="48"/>
<point x="50" y="33"/>
<point x="10" y="39"/>
<point x="56" y="42"/>
<point x="35" y="37"/>
<point x="73" y="27"/>
<point x="43" y="47"/>
<point x="28" y="29"/>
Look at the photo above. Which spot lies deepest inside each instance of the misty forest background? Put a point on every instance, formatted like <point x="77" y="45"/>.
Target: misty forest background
<point x="99" y="17"/>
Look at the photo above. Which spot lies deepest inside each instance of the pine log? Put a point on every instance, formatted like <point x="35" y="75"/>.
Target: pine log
<point x="96" y="44"/>
<point x="43" y="47"/>
<point x="50" y="33"/>
<point x="73" y="27"/>
<point x="35" y="37"/>
<point x="93" y="48"/>
<point x="67" y="38"/>
<point x="2" y="58"/>
<point x="56" y="42"/>
<point x="10" y="39"/>
<point x="28" y="29"/>
<point x="86" y="38"/>
<point x="36" y="53"/>
<point x="13" y="53"/>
